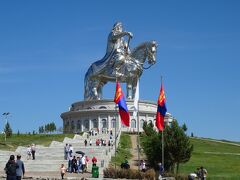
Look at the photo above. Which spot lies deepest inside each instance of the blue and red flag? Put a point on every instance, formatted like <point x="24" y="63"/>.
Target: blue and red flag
<point x="161" y="111"/>
<point x="122" y="106"/>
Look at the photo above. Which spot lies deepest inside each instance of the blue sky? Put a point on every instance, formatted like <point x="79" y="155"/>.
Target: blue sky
<point x="47" y="46"/>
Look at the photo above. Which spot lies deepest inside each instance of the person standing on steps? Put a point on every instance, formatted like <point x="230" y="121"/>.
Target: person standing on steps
<point x="21" y="169"/>
<point x="29" y="153"/>
<point x="66" y="149"/>
<point x="33" y="150"/>
<point x="62" y="170"/>
<point x="11" y="168"/>
<point x="94" y="160"/>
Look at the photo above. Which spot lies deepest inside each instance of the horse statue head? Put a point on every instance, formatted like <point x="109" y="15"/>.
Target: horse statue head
<point x="151" y="52"/>
<point x="146" y="50"/>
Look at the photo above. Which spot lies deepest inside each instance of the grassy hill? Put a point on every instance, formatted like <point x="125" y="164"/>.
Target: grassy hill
<point x="25" y="139"/>
<point x="221" y="159"/>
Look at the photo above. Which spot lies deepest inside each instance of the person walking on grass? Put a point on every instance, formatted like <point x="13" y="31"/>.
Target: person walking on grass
<point x="203" y="173"/>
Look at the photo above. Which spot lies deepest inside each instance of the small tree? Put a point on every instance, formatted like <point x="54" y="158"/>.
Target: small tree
<point x="184" y="127"/>
<point x="192" y="134"/>
<point x="177" y="147"/>
<point x="8" y="130"/>
<point x="52" y="127"/>
<point x="41" y="130"/>
<point x="178" y="144"/>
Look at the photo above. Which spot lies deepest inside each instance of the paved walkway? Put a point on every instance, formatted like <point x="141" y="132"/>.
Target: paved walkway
<point x="52" y="175"/>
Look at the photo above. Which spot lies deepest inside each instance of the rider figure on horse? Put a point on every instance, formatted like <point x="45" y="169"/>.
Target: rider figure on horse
<point x="117" y="51"/>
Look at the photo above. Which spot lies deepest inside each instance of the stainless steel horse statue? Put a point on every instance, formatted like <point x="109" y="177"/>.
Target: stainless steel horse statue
<point x="119" y="63"/>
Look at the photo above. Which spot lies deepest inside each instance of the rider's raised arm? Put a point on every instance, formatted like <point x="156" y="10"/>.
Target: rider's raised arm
<point x="118" y="35"/>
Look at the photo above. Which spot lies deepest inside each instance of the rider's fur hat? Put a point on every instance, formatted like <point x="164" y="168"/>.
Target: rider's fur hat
<point x="117" y="24"/>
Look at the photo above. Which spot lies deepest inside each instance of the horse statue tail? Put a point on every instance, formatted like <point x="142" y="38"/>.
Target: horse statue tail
<point x="90" y="85"/>
<point x="87" y="88"/>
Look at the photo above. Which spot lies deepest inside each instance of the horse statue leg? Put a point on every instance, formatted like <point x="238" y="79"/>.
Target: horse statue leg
<point x="129" y="90"/>
<point x="87" y="88"/>
<point x="99" y="89"/>
<point x="134" y="86"/>
<point x="91" y="90"/>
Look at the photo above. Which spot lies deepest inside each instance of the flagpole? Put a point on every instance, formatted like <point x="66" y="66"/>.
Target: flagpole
<point x="116" y="126"/>
<point x="115" y="134"/>
<point x="138" y="127"/>
<point x="162" y="148"/>
<point x="162" y="137"/>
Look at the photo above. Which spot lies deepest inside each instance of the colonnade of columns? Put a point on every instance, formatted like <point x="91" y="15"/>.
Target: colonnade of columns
<point x="85" y="124"/>
<point x="100" y="123"/>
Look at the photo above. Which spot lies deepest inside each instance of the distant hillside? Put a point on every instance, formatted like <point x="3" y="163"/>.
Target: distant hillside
<point x="25" y="139"/>
<point x="220" y="158"/>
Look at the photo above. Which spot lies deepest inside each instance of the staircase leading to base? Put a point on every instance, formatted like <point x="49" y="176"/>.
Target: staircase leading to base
<point x="49" y="159"/>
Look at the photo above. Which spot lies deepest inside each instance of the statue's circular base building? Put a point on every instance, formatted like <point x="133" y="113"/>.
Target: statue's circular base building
<point x="102" y="115"/>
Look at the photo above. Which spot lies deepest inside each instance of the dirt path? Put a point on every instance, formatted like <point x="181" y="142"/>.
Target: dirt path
<point x="134" y="151"/>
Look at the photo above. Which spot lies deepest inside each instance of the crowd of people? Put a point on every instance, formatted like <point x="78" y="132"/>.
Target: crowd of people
<point x="99" y="142"/>
<point x="77" y="162"/>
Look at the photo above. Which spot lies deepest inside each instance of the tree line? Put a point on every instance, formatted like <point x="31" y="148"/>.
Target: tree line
<point x="47" y="128"/>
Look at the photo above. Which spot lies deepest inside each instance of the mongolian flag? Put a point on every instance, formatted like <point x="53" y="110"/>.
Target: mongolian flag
<point x="122" y="106"/>
<point x="161" y="111"/>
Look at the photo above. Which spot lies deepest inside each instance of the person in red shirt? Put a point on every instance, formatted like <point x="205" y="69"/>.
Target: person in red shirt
<point x="94" y="160"/>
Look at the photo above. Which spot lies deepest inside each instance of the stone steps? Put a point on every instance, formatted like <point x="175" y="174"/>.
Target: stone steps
<point x="47" y="166"/>
<point x="49" y="159"/>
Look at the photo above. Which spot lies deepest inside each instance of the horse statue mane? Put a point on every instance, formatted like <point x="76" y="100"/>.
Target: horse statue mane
<point x="129" y="72"/>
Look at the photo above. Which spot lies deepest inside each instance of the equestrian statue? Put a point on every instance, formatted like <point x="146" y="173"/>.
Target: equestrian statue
<point x="119" y="63"/>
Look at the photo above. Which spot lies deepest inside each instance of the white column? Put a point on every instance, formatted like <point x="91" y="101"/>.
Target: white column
<point x="99" y="120"/>
<point x="81" y="124"/>
<point x="90" y="124"/>
<point x="109" y="122"/>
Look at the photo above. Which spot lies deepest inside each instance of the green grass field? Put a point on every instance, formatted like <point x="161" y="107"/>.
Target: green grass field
<point x="25" y="139"/>
<point x="123" y="150"/>
<point x="221" y="160"/>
